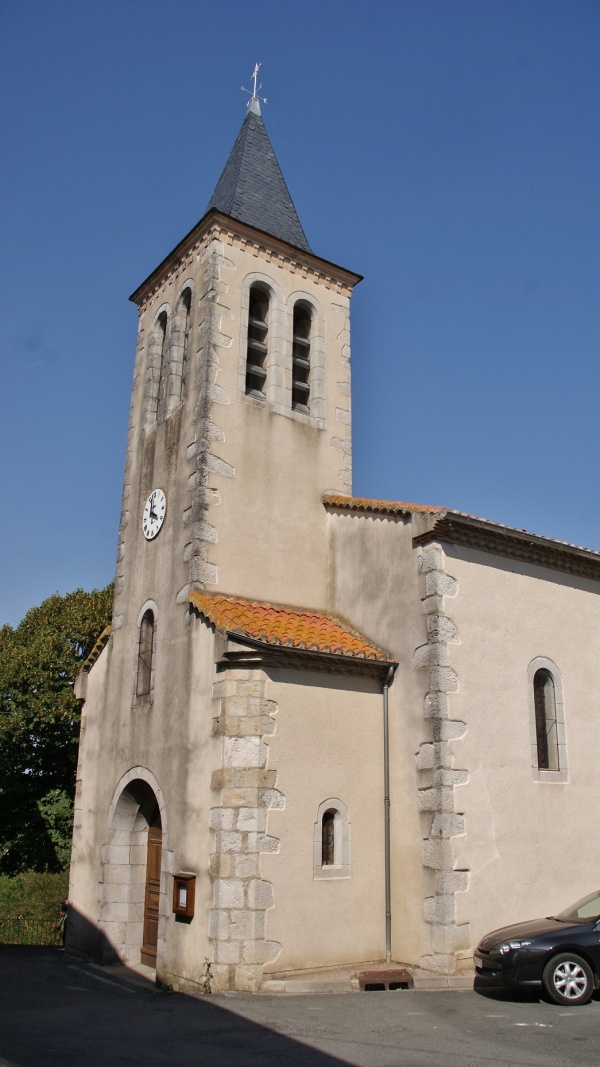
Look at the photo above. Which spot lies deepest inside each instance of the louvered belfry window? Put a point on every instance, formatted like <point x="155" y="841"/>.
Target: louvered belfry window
<point x="546" y="727"/>
<point x="256" y="353"/>
<point x="145" y="650"/>
<point x="328" y="839"/>
<point x="301" y="359"/>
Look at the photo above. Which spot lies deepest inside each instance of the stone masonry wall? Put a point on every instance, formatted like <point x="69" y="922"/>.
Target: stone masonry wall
<point x="438" y="798"/>
<point x="244" y="790"/>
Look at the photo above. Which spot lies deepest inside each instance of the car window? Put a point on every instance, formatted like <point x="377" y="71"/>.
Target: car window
<point x="583" y="911"/>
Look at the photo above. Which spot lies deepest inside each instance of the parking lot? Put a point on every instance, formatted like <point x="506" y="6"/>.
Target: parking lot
<point x="58" y="1013"/>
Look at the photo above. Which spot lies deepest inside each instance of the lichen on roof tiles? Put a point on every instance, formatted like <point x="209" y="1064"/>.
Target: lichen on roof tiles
<point x="278" y="625"/>
<point x="363" y="503"/>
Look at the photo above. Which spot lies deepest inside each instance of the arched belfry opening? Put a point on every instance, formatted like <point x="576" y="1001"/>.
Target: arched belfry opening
<point x="132" y="892"/>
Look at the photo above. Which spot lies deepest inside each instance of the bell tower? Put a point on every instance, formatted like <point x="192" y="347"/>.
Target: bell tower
<point x="240" y="412"/>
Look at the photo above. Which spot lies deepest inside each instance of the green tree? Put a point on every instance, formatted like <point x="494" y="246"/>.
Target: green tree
<point x="39" y="726"/>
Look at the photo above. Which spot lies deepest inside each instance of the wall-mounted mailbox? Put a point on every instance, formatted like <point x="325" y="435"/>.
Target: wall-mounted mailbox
<point x="184" y="891"/>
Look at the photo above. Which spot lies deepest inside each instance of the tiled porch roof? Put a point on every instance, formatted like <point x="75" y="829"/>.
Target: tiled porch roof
<point x="275" y="624"/>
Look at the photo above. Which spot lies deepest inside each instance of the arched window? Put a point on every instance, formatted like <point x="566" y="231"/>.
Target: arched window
<point x="155" y="368"/>
<point x="175" y="355"/>
<point x="186" y="313"/>
<point x="256" y="351"/>
<point x="546" y="725"/>
<point x="331" y="856"/>
<point x="301" y="359"/>
<point x="145" y="655"/>
<point x="161" y="326"/>
<point x="328" y="839"/>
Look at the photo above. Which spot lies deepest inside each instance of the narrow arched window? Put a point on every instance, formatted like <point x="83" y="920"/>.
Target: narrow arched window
<point x="173" y="374"/>
<point x="256" y="351"/>
<point x="145" y="654"/>
<point x="331" y="840"/>
<point x="186" y="310"/>
<point x="301" y="359"/>
<point x="161" y="346"/>
<point x="546" y="726"/>
<point x="328" y="839"/>
<point x="155" y="368"/>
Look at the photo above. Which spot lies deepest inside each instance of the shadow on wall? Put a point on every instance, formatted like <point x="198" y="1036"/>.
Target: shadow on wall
<point x="81" y="1016"/>
<point x="84" y="940"/>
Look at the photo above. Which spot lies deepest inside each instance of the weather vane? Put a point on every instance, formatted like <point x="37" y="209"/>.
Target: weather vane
<point x="253" y="93"/>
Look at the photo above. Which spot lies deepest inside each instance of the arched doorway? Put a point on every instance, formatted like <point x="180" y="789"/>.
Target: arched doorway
<point x="132" y="893"/>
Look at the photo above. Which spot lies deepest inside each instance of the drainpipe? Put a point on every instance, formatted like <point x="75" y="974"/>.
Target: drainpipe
<point x="386" y="814"/>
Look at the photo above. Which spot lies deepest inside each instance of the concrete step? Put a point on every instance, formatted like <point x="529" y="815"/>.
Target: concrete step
<point x="329" y="983"/>
<point x="309" y="985"/>
<point x="463" y="980"/>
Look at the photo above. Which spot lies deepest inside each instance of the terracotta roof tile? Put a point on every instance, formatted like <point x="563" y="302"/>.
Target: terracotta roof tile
<point x="363" y="503"/>
<point x="278" y="625"/>
<point x="390" y="507"/>
<point x="97" y="649"/>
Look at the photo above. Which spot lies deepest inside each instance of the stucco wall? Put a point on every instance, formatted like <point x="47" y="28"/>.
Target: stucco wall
<point x="328" y="743"/>
<point x="529" y="845"/>
<point x="373" y="581"/>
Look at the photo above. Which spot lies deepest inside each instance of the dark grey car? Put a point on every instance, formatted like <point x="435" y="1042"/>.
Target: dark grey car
<point x="562" y="952"/>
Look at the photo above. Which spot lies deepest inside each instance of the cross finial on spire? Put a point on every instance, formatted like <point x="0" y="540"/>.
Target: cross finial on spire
<point x="254" y="101"/>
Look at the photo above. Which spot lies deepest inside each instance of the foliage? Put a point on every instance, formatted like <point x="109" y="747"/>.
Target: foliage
<point x="207" y="976"/>
<point x="56" y="810"/>
<point x="32" y="894"/>
<point x="39" y="726"/>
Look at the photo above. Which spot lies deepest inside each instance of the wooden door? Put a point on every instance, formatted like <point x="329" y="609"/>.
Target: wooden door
<point x="152" y="896"/>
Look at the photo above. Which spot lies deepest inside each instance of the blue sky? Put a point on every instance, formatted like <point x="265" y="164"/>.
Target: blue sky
<point x="446" y="149"/>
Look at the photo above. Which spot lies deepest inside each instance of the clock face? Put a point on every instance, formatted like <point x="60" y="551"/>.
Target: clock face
<point x="154" y="513"/>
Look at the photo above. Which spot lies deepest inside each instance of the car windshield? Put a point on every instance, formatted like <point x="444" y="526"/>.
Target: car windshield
<point x="584" y="911"/>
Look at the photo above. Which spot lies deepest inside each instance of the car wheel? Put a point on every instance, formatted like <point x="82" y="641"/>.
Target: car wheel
<point x="568" y="979"/>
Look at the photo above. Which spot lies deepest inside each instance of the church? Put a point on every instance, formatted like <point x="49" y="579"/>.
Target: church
<point x="322" y="731"/>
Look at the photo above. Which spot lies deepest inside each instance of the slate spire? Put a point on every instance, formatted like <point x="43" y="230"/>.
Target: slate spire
<point x="252" y="187"/>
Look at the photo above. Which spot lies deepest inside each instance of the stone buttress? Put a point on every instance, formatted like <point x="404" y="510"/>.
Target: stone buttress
<point x="438" y="797"/>
<point x="244" y="790"/>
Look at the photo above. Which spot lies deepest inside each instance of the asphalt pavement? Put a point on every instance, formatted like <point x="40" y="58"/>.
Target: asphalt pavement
<point x="55" y="1012"/>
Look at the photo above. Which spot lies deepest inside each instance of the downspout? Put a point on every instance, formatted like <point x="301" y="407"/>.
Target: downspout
<point x="386" y="813"/>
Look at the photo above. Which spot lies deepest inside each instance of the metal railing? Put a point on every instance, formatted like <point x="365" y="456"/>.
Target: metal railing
<point x="25" y="931"/>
